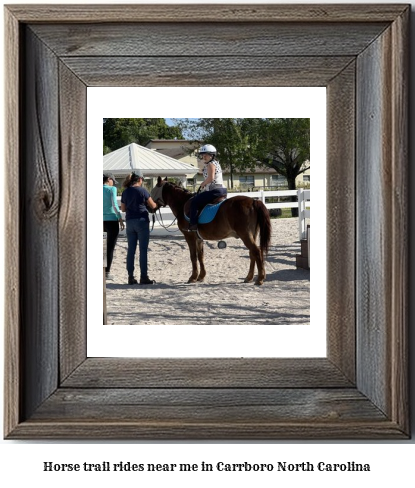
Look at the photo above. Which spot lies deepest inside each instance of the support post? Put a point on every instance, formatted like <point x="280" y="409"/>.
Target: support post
<point x="301" y="215"/>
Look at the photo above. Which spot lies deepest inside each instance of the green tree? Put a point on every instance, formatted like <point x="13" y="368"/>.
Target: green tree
<point x="245" y="144"/>
<point x="106" y="149"/>
<point x="121" y="132"/>
<point x="286" y="147"/>
<point x="230" y="138"/>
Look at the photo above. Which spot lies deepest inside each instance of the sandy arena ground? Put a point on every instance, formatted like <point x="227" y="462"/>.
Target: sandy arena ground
<point x="222" y="298"/>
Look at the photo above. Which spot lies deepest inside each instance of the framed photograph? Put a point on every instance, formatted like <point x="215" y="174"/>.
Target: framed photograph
<point x="360" y="389"/>
<point x="223" y="317"/>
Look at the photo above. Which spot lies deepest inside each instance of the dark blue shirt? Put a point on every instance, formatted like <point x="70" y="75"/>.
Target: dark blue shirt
<point x="135" y="199"/>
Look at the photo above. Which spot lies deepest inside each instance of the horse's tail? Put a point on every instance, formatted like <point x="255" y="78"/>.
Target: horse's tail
<point x="265" y="228"/>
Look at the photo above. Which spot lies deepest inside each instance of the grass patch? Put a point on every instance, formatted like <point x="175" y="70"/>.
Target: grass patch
<point x="285" y="214"/>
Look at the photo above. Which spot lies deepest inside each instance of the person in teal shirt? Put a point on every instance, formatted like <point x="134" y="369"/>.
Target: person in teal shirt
<point x="112" y="219"/>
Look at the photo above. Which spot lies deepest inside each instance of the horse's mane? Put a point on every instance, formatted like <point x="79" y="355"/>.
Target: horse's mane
<point x="179" y="192"/>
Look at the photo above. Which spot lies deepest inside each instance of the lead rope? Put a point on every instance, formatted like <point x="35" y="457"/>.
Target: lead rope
<point x="165" y="227"/>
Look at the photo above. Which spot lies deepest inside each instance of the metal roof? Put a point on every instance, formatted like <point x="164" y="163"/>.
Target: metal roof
<point x="152" y="163"/>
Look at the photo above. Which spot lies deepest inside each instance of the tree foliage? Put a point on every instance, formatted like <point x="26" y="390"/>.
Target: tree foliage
<point x="121" y="132"/>
<point x="287" y="143"/>
<point x="229" y="138"/>
<point x="244" y="144"/>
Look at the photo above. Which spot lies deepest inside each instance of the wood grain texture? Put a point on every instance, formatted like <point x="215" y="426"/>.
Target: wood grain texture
<point x="189" y="40"/>
<point x="187" y="430"/>
<point x="400" y="202"/>
<point x="193" y="13"/>
<point x="210" y="405"/>
<point x="341" y="233"/>
<point x="209" y="414"/>
<point x="40" y="187"/>
<point x="373" y="221"/>
<point x="66" y="395"/>
<point x="206" y="373"/>
<point x="382" y="222"/>
<point x="227" y="71"/>
<point x="72" y="222"/>
<point x="13" y="383"/>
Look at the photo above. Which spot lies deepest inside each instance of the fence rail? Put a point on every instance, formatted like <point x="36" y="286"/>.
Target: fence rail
<point x="303" y="205"/>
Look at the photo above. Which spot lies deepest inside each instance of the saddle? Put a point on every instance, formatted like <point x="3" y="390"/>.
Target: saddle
<point x="208" y="212"/>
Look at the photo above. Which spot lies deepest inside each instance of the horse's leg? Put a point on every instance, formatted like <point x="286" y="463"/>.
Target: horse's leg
<point x="251" y="271"/>
<point x="252" y="256"/>
<point x="200" y="253"/>
<point x="192" y="243"/>
<point x="255" y="255"/>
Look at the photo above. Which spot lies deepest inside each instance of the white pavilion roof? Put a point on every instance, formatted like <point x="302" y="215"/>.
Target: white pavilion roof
<point x="151" y="163"/>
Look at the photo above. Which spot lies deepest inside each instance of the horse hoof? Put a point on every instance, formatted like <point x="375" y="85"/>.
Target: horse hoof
<point x="247" y="280"/>
<point x="201" y="277"/>
<point x="191" y="280"/>
<point x="259" y="283"/>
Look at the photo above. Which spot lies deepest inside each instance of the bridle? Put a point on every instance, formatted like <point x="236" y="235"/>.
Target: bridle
<point x="160" y="204"/>
<point x="160" y="219"/>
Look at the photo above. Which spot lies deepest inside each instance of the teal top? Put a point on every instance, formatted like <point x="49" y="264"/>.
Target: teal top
<point x="111" y="209"/>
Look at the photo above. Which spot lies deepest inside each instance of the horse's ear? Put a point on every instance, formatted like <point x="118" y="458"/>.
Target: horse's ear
<point x="165" y="179"/>
<point x="159" y="181"/>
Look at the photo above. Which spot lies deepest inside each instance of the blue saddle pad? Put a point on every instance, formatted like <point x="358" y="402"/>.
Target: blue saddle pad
<point x="208" y="213"/>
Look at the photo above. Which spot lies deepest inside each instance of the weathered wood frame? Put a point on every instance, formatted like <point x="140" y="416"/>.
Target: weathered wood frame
<point x="359" y="52"/>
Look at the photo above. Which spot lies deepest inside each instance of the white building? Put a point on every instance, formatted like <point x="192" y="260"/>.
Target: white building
<point x="152" y="164"/>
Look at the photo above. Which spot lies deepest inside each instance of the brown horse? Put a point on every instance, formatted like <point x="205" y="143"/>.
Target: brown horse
<point x="238" y="216"/>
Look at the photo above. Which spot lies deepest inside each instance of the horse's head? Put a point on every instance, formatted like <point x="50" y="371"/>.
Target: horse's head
<point x="167" y="193"/>
<point x="157" y="192"/>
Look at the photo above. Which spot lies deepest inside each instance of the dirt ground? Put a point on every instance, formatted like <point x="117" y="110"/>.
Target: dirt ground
<point x="223" y="298"/>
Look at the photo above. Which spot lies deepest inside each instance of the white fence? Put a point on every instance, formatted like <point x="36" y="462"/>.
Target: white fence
<point x="303" y="205"/>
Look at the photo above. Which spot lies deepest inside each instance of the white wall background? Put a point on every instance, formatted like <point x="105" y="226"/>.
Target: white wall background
<point x="22" y="462"/>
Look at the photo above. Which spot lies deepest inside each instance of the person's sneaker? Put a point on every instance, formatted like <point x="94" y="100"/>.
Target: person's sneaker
<point x="109" y="277"/>
<point x="132" y="280"/>
<point x="146" y="281"/>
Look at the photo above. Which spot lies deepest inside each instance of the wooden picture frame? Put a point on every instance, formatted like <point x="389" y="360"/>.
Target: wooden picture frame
<point x="359" y="391"/>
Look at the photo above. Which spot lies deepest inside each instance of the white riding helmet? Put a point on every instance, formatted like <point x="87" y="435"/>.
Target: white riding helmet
<point x="208" y="149"/>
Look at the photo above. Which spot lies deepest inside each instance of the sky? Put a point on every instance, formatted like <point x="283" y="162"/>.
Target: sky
<point x="171" y="121"/>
